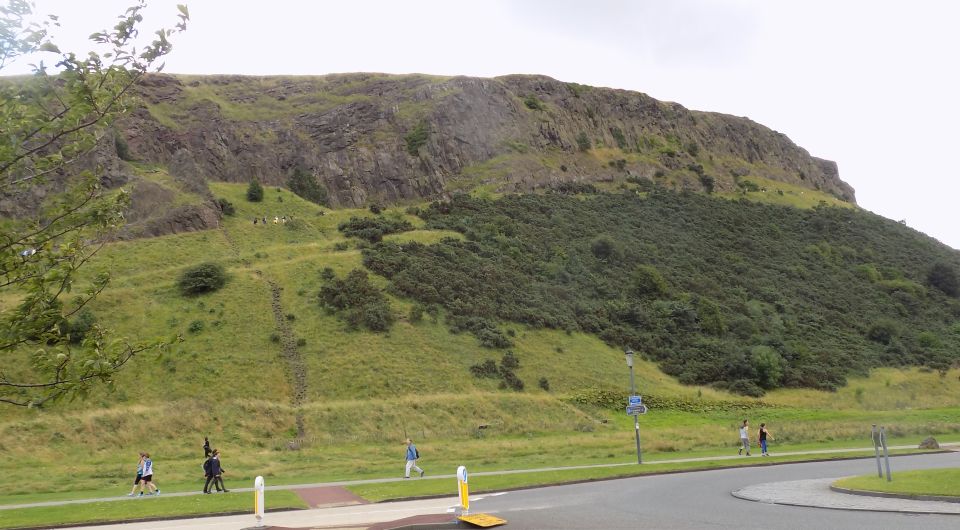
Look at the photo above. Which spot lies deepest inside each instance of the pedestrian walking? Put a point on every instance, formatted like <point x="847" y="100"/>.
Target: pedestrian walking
<point x="206" y="447"/>
<point x="762" y="438"/>
<point x="139" y="480"/>
<point x="744" y="438"/>
<point x="412" y="456"/>
<point x="152" y="488"/>
<point x="214" y="472"/>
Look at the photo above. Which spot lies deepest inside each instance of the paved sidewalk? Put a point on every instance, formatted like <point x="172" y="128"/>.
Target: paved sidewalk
<point x="816" y="493"/>
<point x="949" y="445"/>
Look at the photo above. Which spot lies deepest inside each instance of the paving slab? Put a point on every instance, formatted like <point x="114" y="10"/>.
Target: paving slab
<point x="329" y="497"/>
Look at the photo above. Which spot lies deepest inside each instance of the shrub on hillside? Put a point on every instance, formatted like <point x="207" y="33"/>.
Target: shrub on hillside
<point x="583" y="142"/>
<point x="373" y="229"/>
<point x="254" y="191"/>
<point x="305" y="185"/>
<point x="226" y="207"/>
<point x="943" y="276"/>
<point x="532" y="102"/>
<point x="416" y="138"/>
<point x="358" y="302"/>
<point x="79" y="327"/>
<point x="204" y="278"/>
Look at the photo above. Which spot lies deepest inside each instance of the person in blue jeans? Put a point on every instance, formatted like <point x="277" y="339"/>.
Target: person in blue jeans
<point x="764" y="434"/>
<point x="412" y="456"/>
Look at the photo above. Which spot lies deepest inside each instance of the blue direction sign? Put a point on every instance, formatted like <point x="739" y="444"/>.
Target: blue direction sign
<point x="634" y="400"/>
<point x="633" y="410"/>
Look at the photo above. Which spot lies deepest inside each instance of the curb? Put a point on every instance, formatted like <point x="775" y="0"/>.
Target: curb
<point x="868" y="493"/>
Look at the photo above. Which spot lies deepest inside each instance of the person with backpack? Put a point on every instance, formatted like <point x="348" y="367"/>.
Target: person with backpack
<point x="412" y="455"/>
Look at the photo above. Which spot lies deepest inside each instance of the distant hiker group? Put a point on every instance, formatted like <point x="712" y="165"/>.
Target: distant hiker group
<point x="281" y="220"/>
<point x="762" y="436"/>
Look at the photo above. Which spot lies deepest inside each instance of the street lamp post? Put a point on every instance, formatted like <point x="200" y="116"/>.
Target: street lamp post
<point x="633" y="392"/>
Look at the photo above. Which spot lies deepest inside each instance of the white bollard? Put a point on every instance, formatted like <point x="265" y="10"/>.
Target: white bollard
<point x="463" y="490"/>
<point x="258" y="501"/>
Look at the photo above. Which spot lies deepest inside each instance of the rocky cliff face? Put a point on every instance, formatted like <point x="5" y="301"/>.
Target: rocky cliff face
<point x="382" y="138"/>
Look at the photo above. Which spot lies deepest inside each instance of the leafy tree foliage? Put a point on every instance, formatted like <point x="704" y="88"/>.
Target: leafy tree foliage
<point x="306" y="186"/>
<point x="737" y="294"/>
<point x="204" y="278"/>
<point x="51" y="123"/>
<point x="255" y="191"/>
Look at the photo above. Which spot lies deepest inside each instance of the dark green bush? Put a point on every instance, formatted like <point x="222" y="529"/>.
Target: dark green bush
<point x="416" y="138"/>
<point x="544" y="384"/>
<point x="487" y="369"/>
<point x="357" y="301"/>
<point x="583" y="142"/>
<point x="373" y="229"/>
<point x="510" y="361"/>
<point x="306" y="186"/>
<point x="122" y="149"/>
<point x="203" y="278"/>
<point x="226" y="207"/>
<point x="510" y="380"/>
<point x="943" y="276"/>
<point x="196" y="326"/>
<point x="254" y="191"/>
<point x="532" y="102"/>
<point x="79" y="327"/>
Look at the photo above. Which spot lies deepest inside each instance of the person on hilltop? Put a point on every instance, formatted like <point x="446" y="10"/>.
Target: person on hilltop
<point x="744" y="438"/>
<point x="152" y="488"/>
<point x="412" y="456"/>
<point x="138" y="481"/>
<point x="762" y="437"/>
<point x="206" y="447"/>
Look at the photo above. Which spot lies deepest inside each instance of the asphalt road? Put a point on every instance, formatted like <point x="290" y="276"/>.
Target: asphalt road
<point x="684" y="500"/>
<point x="703" y="500"/>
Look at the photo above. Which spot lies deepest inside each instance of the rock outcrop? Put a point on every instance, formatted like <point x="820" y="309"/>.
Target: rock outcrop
<point x="385" y="138"/>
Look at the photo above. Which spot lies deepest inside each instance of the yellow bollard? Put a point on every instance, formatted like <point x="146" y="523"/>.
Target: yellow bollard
<point x="463" y="490"/>
<point x="258" y="501"/>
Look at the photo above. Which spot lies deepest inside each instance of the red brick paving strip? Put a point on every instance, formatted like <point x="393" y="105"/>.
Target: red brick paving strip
<point x="329" y="496"/>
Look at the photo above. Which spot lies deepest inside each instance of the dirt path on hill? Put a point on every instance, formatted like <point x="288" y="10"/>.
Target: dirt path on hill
<point x="295" y="368"/>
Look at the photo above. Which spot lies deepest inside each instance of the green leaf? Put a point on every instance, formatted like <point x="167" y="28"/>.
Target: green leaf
<point x="49" y="47"/>
<point x="183" y="9"/>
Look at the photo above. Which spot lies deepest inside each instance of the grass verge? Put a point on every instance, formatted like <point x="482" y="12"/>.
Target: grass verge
<point x="939" y="482"/>
<point x="143" y="508"/>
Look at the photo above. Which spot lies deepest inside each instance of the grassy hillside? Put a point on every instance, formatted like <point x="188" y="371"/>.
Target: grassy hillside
<point x="237" y="375"/>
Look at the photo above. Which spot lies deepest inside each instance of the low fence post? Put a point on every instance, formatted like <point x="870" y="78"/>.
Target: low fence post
<point x="258" y="501"/>
<point x="463" y="490"/>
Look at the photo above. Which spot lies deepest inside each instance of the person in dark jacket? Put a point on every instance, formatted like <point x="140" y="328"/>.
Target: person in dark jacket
<point x="206" y="447"/>
<point x="214" y="473"/>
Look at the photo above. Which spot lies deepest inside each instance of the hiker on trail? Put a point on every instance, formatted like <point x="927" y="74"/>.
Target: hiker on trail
<point x="214" y="473"/>
<point x="744" y="438"/>
<point x="412" y="456"/>
<point x="762" y="437"/>
<point x="206" y="447"/>
<point x="138" y="481"/>
<point x="255" y="220"/>
<point x="276" y="219"/>
<point x="152" y="488"/>
<point x="263" y="220"/>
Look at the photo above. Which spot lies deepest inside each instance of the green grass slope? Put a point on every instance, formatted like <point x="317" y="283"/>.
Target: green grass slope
<point x="289" y="392"/>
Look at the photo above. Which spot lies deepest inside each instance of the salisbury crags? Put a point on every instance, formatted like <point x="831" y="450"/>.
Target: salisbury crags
<point x="383" y="138"/>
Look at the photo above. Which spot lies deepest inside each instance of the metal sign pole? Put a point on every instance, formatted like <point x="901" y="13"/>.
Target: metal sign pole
<point x="874" y="435"/>
<point x="886" y="454"/>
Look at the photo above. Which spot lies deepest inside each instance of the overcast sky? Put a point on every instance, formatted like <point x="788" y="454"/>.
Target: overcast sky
<point x="873" y="85"/>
